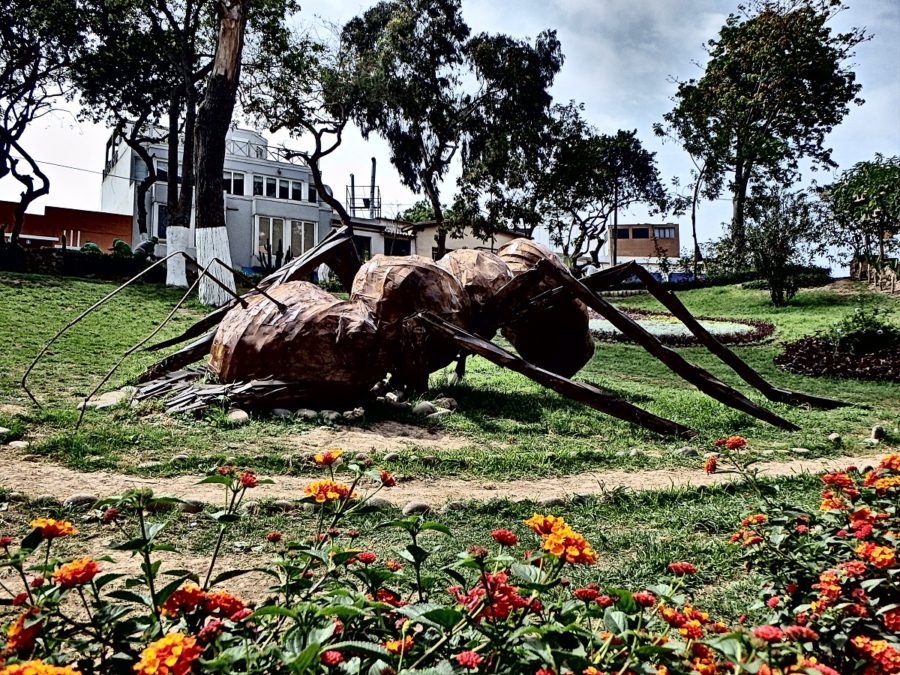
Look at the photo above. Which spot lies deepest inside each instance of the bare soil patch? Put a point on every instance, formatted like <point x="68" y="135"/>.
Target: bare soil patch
<point x="380" y="437"/>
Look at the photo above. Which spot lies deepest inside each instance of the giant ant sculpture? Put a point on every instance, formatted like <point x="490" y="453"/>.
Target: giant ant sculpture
<point x="288" y="341"/>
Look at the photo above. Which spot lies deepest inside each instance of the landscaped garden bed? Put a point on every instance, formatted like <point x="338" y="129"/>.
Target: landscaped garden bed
<point x="673" y="332"/>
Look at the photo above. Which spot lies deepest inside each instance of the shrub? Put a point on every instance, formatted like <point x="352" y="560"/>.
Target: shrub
<point x="337" y="608"/>
<point x="865" y="331"/>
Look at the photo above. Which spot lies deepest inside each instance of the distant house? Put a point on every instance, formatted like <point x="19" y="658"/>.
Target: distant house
<point x="270" y="199"/>
<point x="645" y="244"/>
<point x="77" y="226"/>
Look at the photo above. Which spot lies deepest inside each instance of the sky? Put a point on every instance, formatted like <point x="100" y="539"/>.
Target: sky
<point x="621" y="57"/>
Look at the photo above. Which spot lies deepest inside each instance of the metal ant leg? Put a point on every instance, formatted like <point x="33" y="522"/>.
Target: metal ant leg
<point x="671" y="302"/>
<point x="603" y="401"/>
<point x="699" y="377"/>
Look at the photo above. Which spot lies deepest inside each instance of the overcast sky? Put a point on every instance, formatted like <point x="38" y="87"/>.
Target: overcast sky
<point x="620" y="57"/>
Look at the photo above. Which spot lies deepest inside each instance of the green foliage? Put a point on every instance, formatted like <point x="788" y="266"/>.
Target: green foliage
<point x="775" y="85"/>
<point x="865" y="331"/>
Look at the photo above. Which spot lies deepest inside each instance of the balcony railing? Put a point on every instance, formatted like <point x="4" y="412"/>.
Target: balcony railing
<point x="258" y="151"/>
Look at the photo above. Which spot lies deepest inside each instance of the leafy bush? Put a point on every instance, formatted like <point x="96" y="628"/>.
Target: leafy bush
<point x="865" y="331"/>
<point x="335" y="608"/>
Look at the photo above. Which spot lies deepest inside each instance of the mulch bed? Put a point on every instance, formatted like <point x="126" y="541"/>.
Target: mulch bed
<point x="761" y="329"/>
<point x="815" y="356"/>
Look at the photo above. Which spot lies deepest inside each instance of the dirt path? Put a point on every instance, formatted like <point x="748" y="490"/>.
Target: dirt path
<point x="35" y="479"/>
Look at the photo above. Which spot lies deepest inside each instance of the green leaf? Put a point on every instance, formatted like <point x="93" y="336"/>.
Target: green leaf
<point x="415" y="554"/>
<point x="129" y="596"/>
<point x="275" y="610"/>
<point x="370" y="648"/>
<point x="101" y="581"/>
<point x="439" y="527"/>
<point x="131" y="545"/>
<point x="32" y="541"/>
<point x="229" y="574"/>
<point x="445" y="617"/>
<point x="215" y="478"/>
<point x="616" y="622"/>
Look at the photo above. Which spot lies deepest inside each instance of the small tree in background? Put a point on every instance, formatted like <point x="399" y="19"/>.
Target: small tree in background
<point x="783" y="229"/>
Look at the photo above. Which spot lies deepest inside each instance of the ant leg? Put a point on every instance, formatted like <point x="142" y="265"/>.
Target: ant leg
<point x="604" y="401"/>
<point x="671" y="302"/>
<point x="699" y="377"/>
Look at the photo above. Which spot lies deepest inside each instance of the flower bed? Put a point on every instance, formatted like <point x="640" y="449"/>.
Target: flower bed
<point x="674" y="333"/>
<point x="337" y="608"/>
<point x="817" y="356"/>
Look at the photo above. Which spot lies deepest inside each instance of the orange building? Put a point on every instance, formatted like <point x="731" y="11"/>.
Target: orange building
<point x="79" y="227"/>
<point x="647" y="240"/>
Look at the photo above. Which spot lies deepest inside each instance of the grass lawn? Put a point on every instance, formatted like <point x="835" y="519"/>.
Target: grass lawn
<point x="512" y="427"/>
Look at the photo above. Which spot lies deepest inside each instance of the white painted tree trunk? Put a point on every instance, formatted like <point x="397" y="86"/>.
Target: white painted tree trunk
<point x="212" y="242"/>
<point x="177" y="239"/>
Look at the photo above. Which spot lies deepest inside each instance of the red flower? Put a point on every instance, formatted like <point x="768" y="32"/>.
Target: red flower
<point x="366" y="557"/>
<point x="735" y="442"/>
<point x="504" y="537"/>
<point x="768" y="633"/>
<point x="331" y="658"/>
<point x="791" y="587"/>
<point x="226" y="470"/>
<point x="605" y="601"/>
<point x="801" y="633"/>
<point x="392" y="565"/>
<point x="248" y="480"/>
<point x="110" y="515"/>
<point x="20" y="599"/>
<point x="545" y="671"/>
<point x="709" y="466"/>
<point x="681" y="568"/>
<point x="772" y="602"/>
<point x="5" y="542"/>
<point x="37" y="582"/>
<point x="387" y="480"/>
<point x="210" y="631"/>
<point x="469" y="659"/>
<point x="644" y="599"/>
<point x="586" y="594"/>
<point x="274" y="537"/>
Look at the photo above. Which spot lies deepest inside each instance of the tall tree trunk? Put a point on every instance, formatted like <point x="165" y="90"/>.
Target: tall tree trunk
<point x="30" y="193"/>
<point x="738" y="205"/>
<point x="213" y="120"/>
<point x="614" y="239"/>
<point x="144" y="186"/>
<point x="176" y="232"/>
<point x="697" y="254"/>
<point x="440" y="237"/>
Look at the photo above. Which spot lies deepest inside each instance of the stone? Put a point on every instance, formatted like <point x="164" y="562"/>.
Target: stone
<point x="378" y="503"/>
<point x="688" y="451"/>
<point x="878" y="433"/>
<point x="871" y="442"/>
<point x="180" y="458"/>
<point x="80" y="501"/>
<point x="431" y="460"/>
<point x="109" y="398"/>
<point x="446" y="402"/>
<point x="551" y="501"/>
<point x="307" y="414"/>
<point x="424" y="408"/>
<point x="19" y="445"/>
<point x="800" y="451"/>
<point x="47" y="500"/>
<point x="16" y="497"/>
<point x="284" y="505"/>
<point x="238" y="416"/>
<point x="4" y="431"/>
<point x="394" y="397"/>
<point x="330" y="416"/>
<point x="581" y="498"/>
<point x="251" y="507"/>
<point x="192" y="505"/>
<point x="635" y="452"/>
<point x="282" y="413"/>
<point x="354" y="415"/>
<point x="454" y="505"/>
<point x="438" y="414"/>
<point x="835" y="439"/>
<point x="707" y="455"/>
<point x="391" y="457"/>
<point x="412" y="508"/>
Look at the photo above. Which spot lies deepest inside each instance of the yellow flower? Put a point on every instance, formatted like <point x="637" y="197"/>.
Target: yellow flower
<point x="173" y="654"/>
<point x="51" y="528"/>
<point x="328" y="457"/>
<point x="328" y="491"/>
<point x="38" y="668"/>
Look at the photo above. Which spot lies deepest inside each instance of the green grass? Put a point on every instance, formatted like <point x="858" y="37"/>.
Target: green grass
<point x="512" y="426"/>
<point x="635" y="535"/>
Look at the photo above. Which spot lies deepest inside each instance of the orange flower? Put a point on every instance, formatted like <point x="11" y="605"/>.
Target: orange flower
<point x="76" y="573"/>
<point x="710" y="465"/>
<point x="328" y="491"/>
<point x="891" y="619"/>
<point x="38" y="668"/>
<point x="328" y="457"/>
<point x="173" y="654"/>
<point x="50" y="528"/>
<point x="565" y="543"/>
<point x="891" y="462"/>
<point x="735" y="442"/>
<point x="222" y="603"/>
<point x="399" y="646"/>
<point x="19" y="637"/>
<point x="880" y="556"/>
<point x="544" y="525"/>
<point x="185" y="599"/>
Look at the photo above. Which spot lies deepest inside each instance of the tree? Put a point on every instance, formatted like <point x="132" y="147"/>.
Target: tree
<point x="783" y="228"/>
<point x="864" y="206"/>
<point x="431" y="88"/>
<point x="591" y="178"/>
<point x="37" y="41"/>
<point x="775" y="85"/>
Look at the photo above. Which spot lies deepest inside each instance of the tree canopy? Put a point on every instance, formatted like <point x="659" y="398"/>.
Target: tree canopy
<point x="776" y="83"/>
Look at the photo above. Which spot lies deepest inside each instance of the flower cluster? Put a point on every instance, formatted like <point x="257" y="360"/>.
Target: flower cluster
<point x="731" y="443"/>
<point x="328" y="491"/>
<point x="37" y="667"/>
<point x="173" y="654"/>
<point x="76" y="573"/>
<point x="51" y="529"/>
<point x="561" y="540"/>
<point x="493" y="598"/>
<point x="190" y="598"/>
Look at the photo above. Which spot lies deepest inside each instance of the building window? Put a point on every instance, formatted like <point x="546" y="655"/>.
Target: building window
<point x="162" y="170"/>
<point x="312" y="196"/>
<point x="270" y="231"/>
<point x="396" y="246"/>
<point x="303" y="237"/>
<point x="284" y="189"/>
<point x="621" y="233"/>
<point x="271" y="186"/>
<point x="162" y="221"/>
<point x="296" y="190"/>
<point x="664" y="232"/>
<point x="640" y="232"/>
<point x="233" y="182"/>
<point x="257" y="186"/>
<point x="363" y="246"/>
